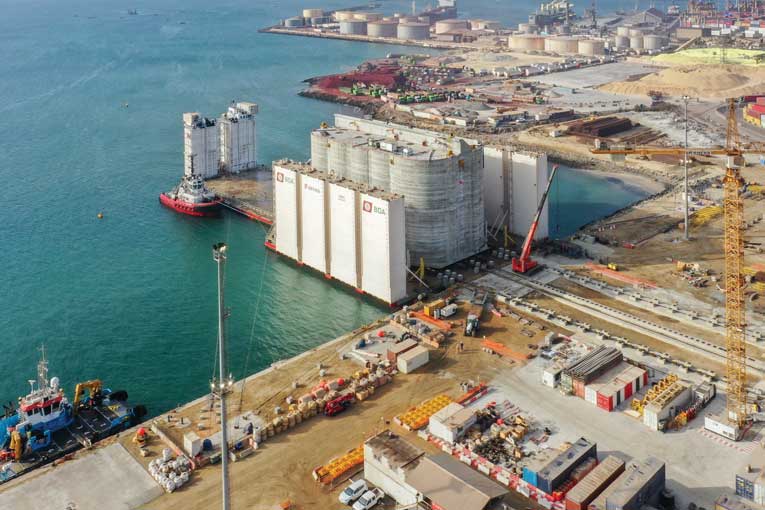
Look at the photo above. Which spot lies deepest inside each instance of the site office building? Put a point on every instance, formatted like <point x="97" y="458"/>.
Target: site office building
<point x="342" y="229"/>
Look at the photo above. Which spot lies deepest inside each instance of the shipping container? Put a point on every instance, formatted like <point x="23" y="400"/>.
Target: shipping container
<point x="560" y="468"/>
<point x="590" y="395"/>
<point x="745" y="487"/>
<point x="578" y="388"/>
<point x="639" y="485"/>
<point x="594" y="483"/>
<point x="606" y="403"/>
<point x="401" y="347"/>
<point x="412" y="359"/>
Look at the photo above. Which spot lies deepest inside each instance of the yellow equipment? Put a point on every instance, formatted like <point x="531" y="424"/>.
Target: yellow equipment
<point x="93" y="386"/>
<point x="141" y="436"/>
<point x="613" y="267"/>
<point x="17" y="444"/>
<point x="421" y="269"/>
<point x="733" y="212"/>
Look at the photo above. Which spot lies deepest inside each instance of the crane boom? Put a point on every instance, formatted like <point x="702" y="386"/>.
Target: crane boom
<point x="524" y="262"/>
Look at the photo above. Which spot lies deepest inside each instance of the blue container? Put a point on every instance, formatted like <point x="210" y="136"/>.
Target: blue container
<point x="530" y="476"/>
<point x="207" y="445"/>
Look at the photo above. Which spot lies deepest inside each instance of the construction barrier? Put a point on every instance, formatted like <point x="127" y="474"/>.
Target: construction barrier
<point x="443" y="325"/>
<point x="616" y="275"/>
<point x="418" y="417"/>
<point x="505" y="351"/>
<point x="473" y="395"/>
<point x="338" y="467"/>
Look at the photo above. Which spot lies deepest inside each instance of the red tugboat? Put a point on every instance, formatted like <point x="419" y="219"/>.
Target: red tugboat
<point x="192" y="197"/>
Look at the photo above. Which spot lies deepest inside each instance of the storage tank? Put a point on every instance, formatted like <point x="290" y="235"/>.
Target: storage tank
<point x="367" y="16"/>
<point x="321" y="20"/>
<point x="623" y="31"/>
<point x="358" y="164"/>
<point x="353" y="27"/>
<point x="654" y="42"/>
<point x="635" y="32"/>
<point x="379" y="169"/>
<point x="527" y="42"/>
<point x="337" y="158"/>
<point x="622" y="41"/>
<point x="636" y="43"/>
<point x="313" y="13"/>
<point x="408" y="19"/>
<point x="591" y="47"/>
<point x="382" y="28"/>
<point x="343" y="15"/>
<point x="423" y="19"/>
<point x="566" y="45"/>
<point x="562" y="29"/>
<point x="413" y="31"/>
<point x="448" y="25"/>
<point x="294" y="22"/>
<point x="527" y="28"/>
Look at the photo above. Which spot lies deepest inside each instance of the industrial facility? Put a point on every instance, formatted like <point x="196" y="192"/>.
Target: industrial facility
<point x="440" y="179"/>
<point x="342" y="229"/>
<point x="224" y="145"/>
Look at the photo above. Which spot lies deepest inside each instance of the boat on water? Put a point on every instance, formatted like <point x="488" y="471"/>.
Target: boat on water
<point x="192" y="197"/>
<point x="46" y="426"/>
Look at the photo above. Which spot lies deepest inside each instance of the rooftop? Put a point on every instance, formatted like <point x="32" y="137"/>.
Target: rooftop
<point x="422" y="150"/>
<point x="306" y="169"/>
<point x="397" y="451"/>
<point x="453" y="485"/>
<point x="635" y="477"/>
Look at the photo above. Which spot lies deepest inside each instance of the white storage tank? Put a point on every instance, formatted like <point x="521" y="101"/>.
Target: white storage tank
<point x="636" y="42"/>
<point x="412" y="359"/>
<point x="527" y="28"/>
<point x="382" y="29"/>
<point x="623" y="31"/>
<point x="448" y="25"/>
<point x="343" y="15"/>
<point x="654" y="42"/>
<point x="423" y="19"/>
<point x="622" y="41"/>
<point x="635" y="32"/>
<point x="353" y="27"/>
<point x="591" y="47"/>
<point x="294" y="22"/>
<point x="367" y="16"/>
<point x="562" y="29"/>
<point x="565" y="45"/>
<point x="313" y="13"/>
<point x="524" y="42"/>
<point x="482" y="24"/>
<point x="413" y="31"/>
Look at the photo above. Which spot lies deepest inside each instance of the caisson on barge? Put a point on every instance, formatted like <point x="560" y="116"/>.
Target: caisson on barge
<point x="46" y="426"/>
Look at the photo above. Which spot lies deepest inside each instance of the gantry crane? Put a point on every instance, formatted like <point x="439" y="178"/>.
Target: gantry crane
<point x="733" y="207"/>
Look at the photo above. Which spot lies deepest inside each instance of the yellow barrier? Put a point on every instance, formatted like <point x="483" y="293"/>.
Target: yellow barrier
<point x="418" y="417"/>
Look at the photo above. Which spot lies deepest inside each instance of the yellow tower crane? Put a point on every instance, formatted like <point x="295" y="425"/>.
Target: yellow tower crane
<point x="733" y="209"/>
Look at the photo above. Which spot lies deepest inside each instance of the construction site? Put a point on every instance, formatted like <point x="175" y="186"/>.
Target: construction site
<point x="619" y="368"/>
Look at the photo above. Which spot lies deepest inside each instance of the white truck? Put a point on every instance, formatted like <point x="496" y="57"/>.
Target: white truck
<point x="353" y="491"/>
<point x="369" y="499"/>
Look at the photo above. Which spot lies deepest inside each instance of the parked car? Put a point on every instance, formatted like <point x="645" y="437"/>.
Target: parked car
<point x="369" y="499"/>
<point x="353" y="491"/>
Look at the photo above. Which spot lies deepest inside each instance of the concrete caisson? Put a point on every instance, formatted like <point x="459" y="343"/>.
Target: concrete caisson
<point x="382" y="29"/>
<point x="353" y="27"/>
<point x="413" y="31"/>
<point x="591" y="47"/>
<point x="526" y="42"/>
<point x="448" y="25"/>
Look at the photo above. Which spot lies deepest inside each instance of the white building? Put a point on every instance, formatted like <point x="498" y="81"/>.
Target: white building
<point x="387" y="460"/>
<point x="451" y="422"/>
<point x="513" y="184"/>
<point x="238" y="136"/>
<point x="201" y="145"/>
<point x="342" y="229"/>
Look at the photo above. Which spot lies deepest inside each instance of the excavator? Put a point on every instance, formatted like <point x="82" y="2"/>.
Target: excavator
<point x="524" y="263"/>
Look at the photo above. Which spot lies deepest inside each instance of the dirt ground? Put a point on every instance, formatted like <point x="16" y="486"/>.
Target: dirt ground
<point x="253" y="188"/>
<point x="281" y="468"/>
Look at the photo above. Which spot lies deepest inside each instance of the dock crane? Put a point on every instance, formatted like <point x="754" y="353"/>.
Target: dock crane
<point x="524" y="263"/>
<point x="733" y="208"/>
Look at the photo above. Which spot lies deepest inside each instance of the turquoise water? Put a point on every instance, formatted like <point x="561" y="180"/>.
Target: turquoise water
<point x="131" y="298"/>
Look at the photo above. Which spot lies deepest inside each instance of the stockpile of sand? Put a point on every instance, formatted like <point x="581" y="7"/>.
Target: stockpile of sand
<point x="712" y="81"/>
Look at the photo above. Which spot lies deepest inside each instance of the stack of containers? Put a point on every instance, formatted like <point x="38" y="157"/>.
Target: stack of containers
<point x="755" y="113"/>
<point x="594" y="483"/>
<point x="583" y="371"/>
<point x="615" y="386"/>
<point x="557" y="472"/>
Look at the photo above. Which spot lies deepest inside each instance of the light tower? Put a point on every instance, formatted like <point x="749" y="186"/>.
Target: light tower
<point x="222" y="386"/>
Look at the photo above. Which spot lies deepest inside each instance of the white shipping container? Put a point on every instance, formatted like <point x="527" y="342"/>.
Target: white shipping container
<point x="551" y="376"/>
<point x="286" y="211"/>
<point x="412" y="359"/>
<point x="650" y="419"/>
<point x="590" y="395"/>
<point x="342" y="234"/>
<point x="759" y="493"/>
<point x="313" y="227"/>
<point x="722" y="427"/>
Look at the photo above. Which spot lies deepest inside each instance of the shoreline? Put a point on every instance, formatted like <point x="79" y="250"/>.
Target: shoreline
<point x="640" y="182"/>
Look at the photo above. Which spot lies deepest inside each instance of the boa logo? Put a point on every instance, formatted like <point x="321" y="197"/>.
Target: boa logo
<point x="367" y="206"/>
<point x="279" y="176"/>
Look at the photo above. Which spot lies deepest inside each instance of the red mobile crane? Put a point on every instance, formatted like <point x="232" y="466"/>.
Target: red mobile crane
<point x="524" y="263"/>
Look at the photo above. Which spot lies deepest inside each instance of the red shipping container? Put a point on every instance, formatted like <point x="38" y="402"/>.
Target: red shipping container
<point x="757" y="108"/>
<point x="606" y="402"/>
<point x="628" y="390"/>
<point x="645" y="378"/>
<point x="760" y="100"/>
<point x="579" y="388"/>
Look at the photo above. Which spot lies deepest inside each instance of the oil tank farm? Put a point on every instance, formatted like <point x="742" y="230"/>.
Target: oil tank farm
<point x="594" y="483"/>
<point x="313" y="13"/>
<point x="353" y="27"/>
<point x="564" y="45"/>
<point x="441" y="180"/>
<point x="413" y="31"/>
<point x="639" y="485"/>
<point x="367" y="16"/>
<point x="382" y="29"/>
<point x="343" y="15"/>
<point x="342" y="229"/>
<point x="448" y="25"/>
<point x="591" y="47"/>
<point x="526" y="42"/>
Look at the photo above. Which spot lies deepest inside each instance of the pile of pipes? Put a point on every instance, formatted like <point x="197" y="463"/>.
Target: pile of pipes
<point x="170" y="473"/>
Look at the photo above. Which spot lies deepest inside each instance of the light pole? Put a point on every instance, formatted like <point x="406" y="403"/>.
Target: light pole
<point x="685" y="166"/>
<point x="219" y="256"/>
